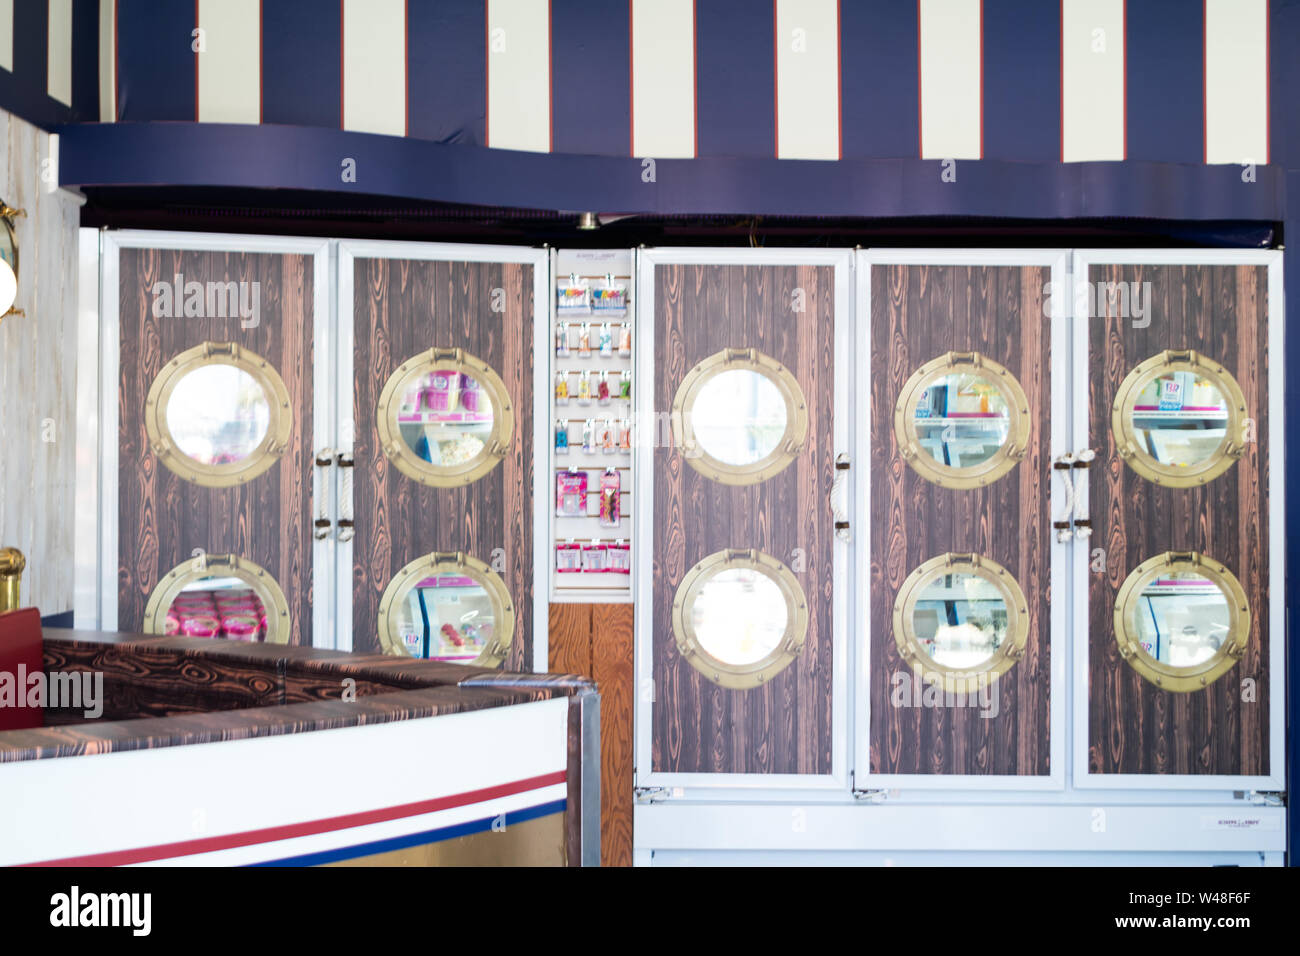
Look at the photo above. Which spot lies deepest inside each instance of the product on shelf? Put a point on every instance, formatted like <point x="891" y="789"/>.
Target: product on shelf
<point x="594" y="557"/>
<point x="611" y="300"/>
<point x="572" y="298"/>
<point x="561" y="437"/>
<point x="571" y="493"/>
<point x="584" y="389"/>
<point x="610" y="498"/>
<point x="618" y="558"/>
<point x="625" y="340"/>
<point x="602" y="389"/>
<point x="625" y="437"/>
<point x="584" y="340"/>
<point x="561" y="388"/>
<point x="568" y="558"/>
<point x="562" y="341"/>
<point x="625" y="385"/>
<point x="588" y="437"/>
<point x="606" y="340"/>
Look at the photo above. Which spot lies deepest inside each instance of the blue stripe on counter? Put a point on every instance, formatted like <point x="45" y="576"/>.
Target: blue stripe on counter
<point x="441" y="834"/>
<point x="590" y="77"/>
<point x="446" y="82"/>
<point x="301" y="72"/>
<point x="1022" y="80"/>
<point x="271" y="157"/>
<point x="85" y="61"/>
<point x="155" y="79"/>
<point x="878" y="80"/>
<point x="735" y="91"/>
<point x="1164" y="55"/>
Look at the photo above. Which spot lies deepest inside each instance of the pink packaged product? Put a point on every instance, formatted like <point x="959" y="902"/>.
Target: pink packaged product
<point x="439" y="396"/>
<point x="172" y="625"/>
<point x="240" y="627"/>
<point x="203" y="625"/>
<point x="610" y="499"/>
<point x="570" y="493"/>
<point x="595" y="558"/>
<point x="568" y="558"/>
<point x="619" y="558"/>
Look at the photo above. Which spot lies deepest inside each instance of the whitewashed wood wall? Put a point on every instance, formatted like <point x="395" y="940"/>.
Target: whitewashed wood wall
<point x="38" y="434"/>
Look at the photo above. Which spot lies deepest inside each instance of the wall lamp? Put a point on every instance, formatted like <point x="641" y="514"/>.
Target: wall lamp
<point x="8" y="259"/>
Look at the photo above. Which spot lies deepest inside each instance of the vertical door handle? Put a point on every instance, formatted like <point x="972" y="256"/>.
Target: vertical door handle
<point x="346" y="525"/>
<point x="321" y="526"/>
<point x="838" y="509"/>
<point x="1082" y="523"/>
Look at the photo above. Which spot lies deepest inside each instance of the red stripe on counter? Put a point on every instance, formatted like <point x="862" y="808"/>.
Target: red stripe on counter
<point x="165" y="851"/>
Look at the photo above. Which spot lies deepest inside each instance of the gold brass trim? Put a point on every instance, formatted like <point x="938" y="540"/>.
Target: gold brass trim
<point x="1130" y="447"/>
<point x="796" y="417"/>
<point x="9" y="245"/>
<point x="961" y="679"/>
<point x="1166" y="676"/>
<point x="12" y="564"/>
<point x="220" y="565"/>
<point x="495" y="447"/>
<point x="456" y="563"/>
<point x="228" y="475"/>
<point x="1019" y="424"/>
<point x="740" y="676"/>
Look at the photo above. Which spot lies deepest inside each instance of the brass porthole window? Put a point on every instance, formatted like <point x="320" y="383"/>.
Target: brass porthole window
<point x="740" y="617"/>
<point x="218" y="415"/>
<point x="739" y="417"/>
<point x="1182" y="620"/>
<point x="445" y="418"/>
<point x="447" y="606"/>
<point x="961" y="620"/>
<point x="219" y="595"/>
<point x="1179" y="419"/>
<point x="962" y="420"/>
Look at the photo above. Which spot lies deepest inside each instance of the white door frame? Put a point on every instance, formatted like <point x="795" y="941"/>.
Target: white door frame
<point x="1275" y="779"/>
<point x="643" y="481"/>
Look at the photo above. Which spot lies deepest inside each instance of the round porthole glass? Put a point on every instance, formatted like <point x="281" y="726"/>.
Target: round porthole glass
<point x="740" y="618"/>
<point x="445" y="418"/>
<point x="739" y="417"/>
<point x="218" y="415"/>
<point x="962" y="420"/>
<point x="219" y="595"/>
<point x="447" y="607"/>
<point x="1179" y="419"/>
<point x="960" y="619"/>
<point x="1182" y="620"/>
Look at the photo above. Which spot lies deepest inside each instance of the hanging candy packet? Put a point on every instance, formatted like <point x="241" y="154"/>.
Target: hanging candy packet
<point x="584" y="389"/>
<point x="625" y="386"/>
<point x="625" y="340"/>
<point x="606" y="340"/>
<point x="608" y="437"/>
<point x="570" y="493"/>
<point x="625" y="436"/>
<point x="562" y="341"/>
<point x="602" y="389"/>
<point x="584" y="341"/>
<point x="568" y="558"/>
<point x="572" y="297"/>
<point x="561" y="437"/>
<point x="594" y="557"/>
<point x="611" y="300"/>
<point x="561" y="388"/>
<point x="610" y="498"/>
<point x="618" y="558"/>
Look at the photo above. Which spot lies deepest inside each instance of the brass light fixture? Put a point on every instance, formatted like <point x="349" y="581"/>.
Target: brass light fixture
<point x="9" y="259"/>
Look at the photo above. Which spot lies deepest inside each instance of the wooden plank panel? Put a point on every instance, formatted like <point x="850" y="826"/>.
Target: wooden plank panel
<point x="920" y="312"/>
<point x="784" y="726"/>
<point x="402" y="308"/>
<point x="568" y="637"/>
<point x="612" y="656"/>
<point x="1133" y="726"/>
<point x="163" y="518"/>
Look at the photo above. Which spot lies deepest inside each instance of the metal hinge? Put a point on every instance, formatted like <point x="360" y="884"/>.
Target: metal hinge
<point x="867" y="796"/>
<point x="651" y="794"/>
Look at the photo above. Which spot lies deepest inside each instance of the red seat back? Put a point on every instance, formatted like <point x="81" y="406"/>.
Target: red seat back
<point x="21" y="655"/>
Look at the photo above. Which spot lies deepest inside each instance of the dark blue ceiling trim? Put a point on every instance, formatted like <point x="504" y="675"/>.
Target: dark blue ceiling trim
<point x="286" y="157"/>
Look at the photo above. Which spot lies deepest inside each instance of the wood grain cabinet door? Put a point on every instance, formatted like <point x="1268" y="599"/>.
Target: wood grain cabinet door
<point x="957" y="616"/>
<point x="475" y="304"/>
<point x="187" y="307"/>
<point x="1183" y="661"/>
<point x="740" y="652"/>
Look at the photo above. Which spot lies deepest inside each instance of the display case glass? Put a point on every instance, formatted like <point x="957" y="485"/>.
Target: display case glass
<point x="219" y="595"/>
